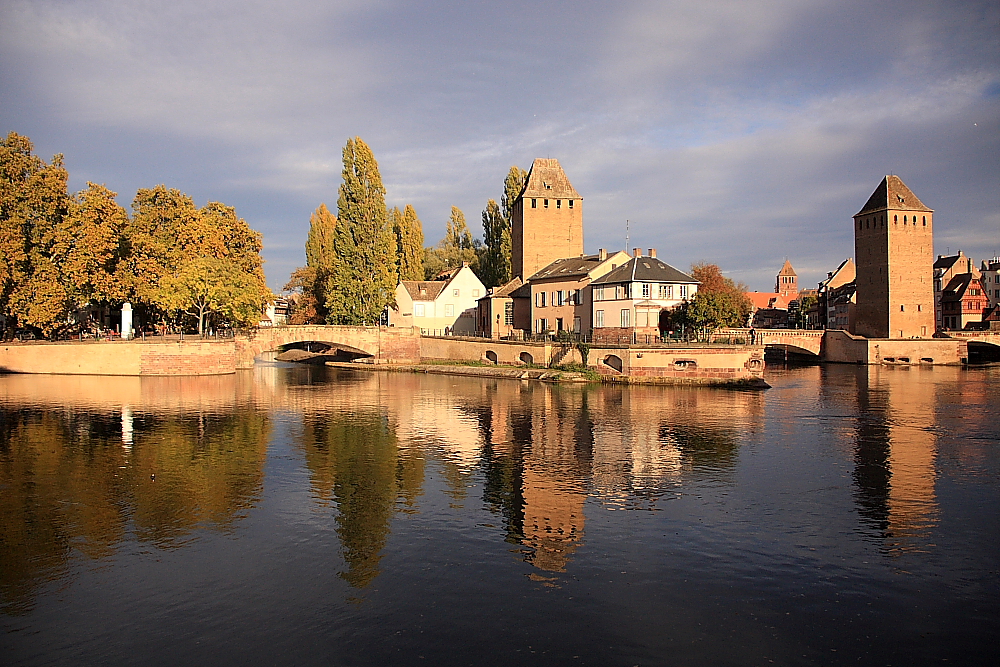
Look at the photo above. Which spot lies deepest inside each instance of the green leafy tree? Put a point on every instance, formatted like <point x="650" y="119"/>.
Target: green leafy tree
<point x="205" y="285"/>
<point x="495" y="260"/>
<point x="409" y="235"/>
<point x="455" y="249"/>
<point x="364" y="276"/>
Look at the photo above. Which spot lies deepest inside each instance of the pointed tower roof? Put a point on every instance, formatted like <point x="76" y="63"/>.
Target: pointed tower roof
<point x="547" y="179"/>
<point x="893" y="194"/>
<point x="787" y="270"/>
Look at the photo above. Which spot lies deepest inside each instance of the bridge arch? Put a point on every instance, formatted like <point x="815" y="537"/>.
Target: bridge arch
<point x="381" y="344"/>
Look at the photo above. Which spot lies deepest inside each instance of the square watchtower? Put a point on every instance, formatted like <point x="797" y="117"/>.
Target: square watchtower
<point x="894" y="250"/>
<point x="547" y="220"/>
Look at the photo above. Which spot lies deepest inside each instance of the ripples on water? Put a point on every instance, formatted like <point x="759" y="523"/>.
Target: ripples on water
<point x="302" y="515"/>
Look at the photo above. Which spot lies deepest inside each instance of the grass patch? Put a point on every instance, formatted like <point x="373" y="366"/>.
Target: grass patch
<point x="589" y="373"/>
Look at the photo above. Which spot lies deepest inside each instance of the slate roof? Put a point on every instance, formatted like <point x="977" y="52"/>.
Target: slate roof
<point x="645" y="269"/>
<point x="504" y="290"/>
<point x="547" y="179"/>
<point x="947" y="261"/>
<point x="568" y="267"/>
<point x="432" y="289"/>
<point x="956" y="288"/>
<point x="893" y="193"/>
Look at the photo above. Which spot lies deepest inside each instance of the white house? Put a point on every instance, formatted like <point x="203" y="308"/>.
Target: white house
<point x="633" y="297"/>
<point x="439" y="307"/>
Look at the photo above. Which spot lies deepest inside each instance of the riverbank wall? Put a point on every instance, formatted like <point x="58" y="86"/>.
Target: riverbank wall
<point x="145" y="358"/>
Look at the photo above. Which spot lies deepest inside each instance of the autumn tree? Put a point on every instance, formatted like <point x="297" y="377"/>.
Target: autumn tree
<point x="719" y="301"/>
<point x="33" y="203"/>
<point x="456" y="248"/>
<point x="364" y="276"/>
<point x="309" y="283"/>
<point x="409" y="235"/>
<point x="205" y="285"/>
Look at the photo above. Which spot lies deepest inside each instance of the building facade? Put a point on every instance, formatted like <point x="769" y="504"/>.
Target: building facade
<point x="635" y="299"/>
<point x="963" y="302"/>
<point x="947" y="267"/>
<point x="547" y="220"/>
<point x="894" y="251"/>
<point x="989" y="273"/>
<point x="439" y="307"/>
<point x="562" y="294"/>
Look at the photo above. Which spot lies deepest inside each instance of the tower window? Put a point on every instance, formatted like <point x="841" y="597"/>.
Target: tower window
<point x="534" y="203"/>
<point x="559" y="203"/>
<point x="895" y="219"/>
<point x="904" y="219"/>
<point x="902" y="308"/>
<point x="925" y="220"/>
<point x="546" y="203"/>
<point x="571" y="203"/>
<point x="859" y="224"/>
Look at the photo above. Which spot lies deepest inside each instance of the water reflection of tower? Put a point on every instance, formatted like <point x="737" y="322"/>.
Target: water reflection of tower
<point x="538" y="466"/>
<point x="895" y="450"/>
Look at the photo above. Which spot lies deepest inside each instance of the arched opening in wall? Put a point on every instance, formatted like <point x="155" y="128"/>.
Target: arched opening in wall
<point x="983" y="353"/>
<point x="316" y="352"/>
<point x="526" y="358"/>
<point x="614" y="361"/>
<point x="491" y="357"/>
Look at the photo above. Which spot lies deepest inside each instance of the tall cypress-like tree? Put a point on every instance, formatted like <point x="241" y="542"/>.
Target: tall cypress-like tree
<point x="409" y="235"/>
<point x="364" y="277"/>
<point x="495" y="260"/>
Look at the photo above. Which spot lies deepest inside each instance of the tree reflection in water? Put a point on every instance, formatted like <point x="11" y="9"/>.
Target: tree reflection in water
<point x="73" y="486"/>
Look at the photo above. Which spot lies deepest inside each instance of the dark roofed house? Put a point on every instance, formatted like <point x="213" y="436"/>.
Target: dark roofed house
<point x="947" y="267"/>
<point x="634" y="300"/>
<point x="560" y="292"/>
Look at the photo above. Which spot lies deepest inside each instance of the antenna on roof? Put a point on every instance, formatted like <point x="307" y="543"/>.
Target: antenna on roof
<point x="626" y="235"/>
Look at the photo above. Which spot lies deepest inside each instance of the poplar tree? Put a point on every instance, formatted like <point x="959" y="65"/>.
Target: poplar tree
<point x="364" y="275"/>
<point x="497" y="229"/>
<point x="456" y="248"/>
<point x="409" y="235"/>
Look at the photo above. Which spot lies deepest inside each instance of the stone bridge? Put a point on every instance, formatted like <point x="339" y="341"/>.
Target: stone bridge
<point x="796" y="341"/>
<point x="382" y="344"/>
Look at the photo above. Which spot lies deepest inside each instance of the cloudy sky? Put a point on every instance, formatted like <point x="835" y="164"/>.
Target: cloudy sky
<point x="740" y="132"/>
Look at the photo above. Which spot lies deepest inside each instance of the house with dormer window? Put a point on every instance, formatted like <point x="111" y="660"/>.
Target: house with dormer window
<point x="439" y="307"/>
<point x="635" y="299"/>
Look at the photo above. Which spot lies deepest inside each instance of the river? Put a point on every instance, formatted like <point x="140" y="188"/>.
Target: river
<point x="306" y="515"/>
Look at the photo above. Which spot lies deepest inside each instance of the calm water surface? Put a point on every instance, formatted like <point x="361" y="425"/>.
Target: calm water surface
<point x="299" y="515"/>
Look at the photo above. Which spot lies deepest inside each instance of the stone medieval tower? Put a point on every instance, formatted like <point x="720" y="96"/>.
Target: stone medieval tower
<point x="547" y="220"/>
<point x="787" y="282"/>
<point x="894" y="251"/>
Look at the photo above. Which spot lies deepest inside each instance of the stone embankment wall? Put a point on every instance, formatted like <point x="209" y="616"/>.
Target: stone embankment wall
<point x="120" y="358"/>
<point x="700" y="365"/>
<point x="842" y="347"/>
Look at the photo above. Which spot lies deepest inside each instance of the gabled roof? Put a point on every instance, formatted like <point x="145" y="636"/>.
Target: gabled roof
<point x="787" y="270"/>
<point x="957" y="286"/>
<point x="504" y="290"/>
<point x="547" y="179"/>
<point x="947" y="261"/>
<point x="892" y="193"/>
<point x="643" y="269"/>
<point x="761" y="300"/>
<point x="424" y="290"/>
<point x="834" y="277"/>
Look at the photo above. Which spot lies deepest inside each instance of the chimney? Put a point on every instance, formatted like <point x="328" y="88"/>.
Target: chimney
<point x="602" y="254"/>
<point x="637" y="252"/>
<point x="652" y="252"/>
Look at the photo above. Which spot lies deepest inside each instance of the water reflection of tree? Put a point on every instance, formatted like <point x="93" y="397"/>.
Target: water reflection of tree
<point x="356" y="463"/>
<point x="70" y="486"/>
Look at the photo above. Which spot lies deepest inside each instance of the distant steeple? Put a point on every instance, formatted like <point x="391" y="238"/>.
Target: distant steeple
<point x="787" y="283"/>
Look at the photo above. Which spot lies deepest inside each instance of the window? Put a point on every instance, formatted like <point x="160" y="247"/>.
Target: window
<point x="683" y="291"/>
<point x="645" y="290"/>
<point x="540" y="299"/>
<point x="571" y="203"/>
<point x="599" y="294"/>
<point x="599" y="318"/>
<point x="418" y="310"/>
<point x="546" y="202"/>
<point x="578" y="296"/>
<point x="534" y="203"/>
<point x="454" y="292"/>
<point x="619" y="291"/>
<point x="508" y="313"/>
<point x="557" y="298"/>
<point x="904" y="219"/>
<point x="475" y="292"/>
<point x="920" y="308"/>
<point x="576" y="320"/>
<point x="559" y="324"/>
<point x="626" y="318"/>
<point x="925" y="220"/>
<point x="902" y="308"/>
<point x="895" y="219"/>
<point x="666" y="291"/>
<point x="559" y="205"/>
<point x="449" y="310"/>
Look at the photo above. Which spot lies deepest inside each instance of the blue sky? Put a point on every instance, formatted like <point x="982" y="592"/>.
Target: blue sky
<point x="737" y="132"/>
